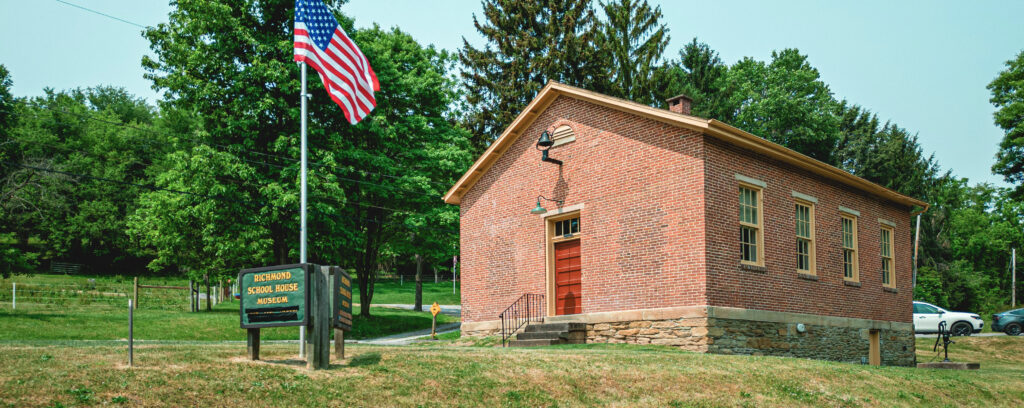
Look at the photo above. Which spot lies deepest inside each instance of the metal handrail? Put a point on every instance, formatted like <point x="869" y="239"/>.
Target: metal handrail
<point x="528" y="308"/>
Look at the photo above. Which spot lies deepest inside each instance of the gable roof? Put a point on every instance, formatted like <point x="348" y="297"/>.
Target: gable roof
<point x="711" y="127"/>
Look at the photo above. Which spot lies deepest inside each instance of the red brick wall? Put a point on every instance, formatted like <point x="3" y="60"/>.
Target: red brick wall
<point x="779" y="288"/>
<point x="646" y="241"/>
<point x="642" y="225"/>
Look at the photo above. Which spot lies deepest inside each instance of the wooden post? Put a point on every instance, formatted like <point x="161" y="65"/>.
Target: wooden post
<point x="318" y="331"/>
<point x="131" y="334"/>
<point x="339" y="343"/>
<point x="191" y="299"/>
<point x="433" y="328"/>
<point x="252" y="343"/>
<point x="136" y="292"/>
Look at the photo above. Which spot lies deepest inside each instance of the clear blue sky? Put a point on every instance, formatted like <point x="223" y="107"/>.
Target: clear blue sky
<point x="921" y="64"/>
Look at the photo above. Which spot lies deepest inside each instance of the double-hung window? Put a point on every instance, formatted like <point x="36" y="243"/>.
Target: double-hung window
<point x="805" y="237"/>
<point x="751" y="234"/>
<point x="850" y="271"/>
<point x="888" y="277"/>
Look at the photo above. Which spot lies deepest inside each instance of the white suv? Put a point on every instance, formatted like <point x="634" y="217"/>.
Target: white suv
<point x="927" y="317"/>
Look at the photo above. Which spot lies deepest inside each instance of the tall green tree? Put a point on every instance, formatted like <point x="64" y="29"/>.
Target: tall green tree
<point x="408" y="152"/>
<point x="1008" y="97"/>
<point x="634" y="39"/>
<point x="786" y="102"/>
<point x="229" y="63"/>
<point x="204" y="216"/>
<point x="79" y="154"/>
<point x="528" y="44"/>
<point x="700" y="74"/>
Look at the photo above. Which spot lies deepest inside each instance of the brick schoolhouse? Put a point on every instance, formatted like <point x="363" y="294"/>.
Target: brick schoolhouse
<point x="651" y="226"/>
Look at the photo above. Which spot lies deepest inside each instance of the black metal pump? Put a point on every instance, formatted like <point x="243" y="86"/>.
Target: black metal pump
<point x="946" y="341"/>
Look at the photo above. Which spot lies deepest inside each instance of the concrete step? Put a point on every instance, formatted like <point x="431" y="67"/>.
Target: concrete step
<point x="533" y="343"/>
<point x="553" y="335"/>
<point x="555" y="327"/>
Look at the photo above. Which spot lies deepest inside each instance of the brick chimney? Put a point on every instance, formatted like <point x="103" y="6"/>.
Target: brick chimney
<point x="680" y="104"/>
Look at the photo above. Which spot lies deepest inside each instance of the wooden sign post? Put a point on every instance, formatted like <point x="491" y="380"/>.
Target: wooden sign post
<point x="434" y="310"/>
<point x="318" y="331"/>
<point x="342" y="308"/>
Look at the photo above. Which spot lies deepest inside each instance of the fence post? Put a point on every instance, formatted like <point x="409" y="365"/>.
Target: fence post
<point x="14" y="295"/>
<point x="206" y="279"/>
<point x="136" y="297"/>
<point x="131" y="333"/>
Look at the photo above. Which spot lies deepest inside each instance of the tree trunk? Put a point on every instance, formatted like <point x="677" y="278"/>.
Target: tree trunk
<point x="437" y="278"/>
<point x="419" y="284"/>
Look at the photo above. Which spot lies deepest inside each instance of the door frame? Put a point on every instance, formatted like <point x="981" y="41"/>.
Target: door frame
<point x="549" y="250"/>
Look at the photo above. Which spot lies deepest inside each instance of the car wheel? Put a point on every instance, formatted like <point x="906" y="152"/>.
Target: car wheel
<point x="961" y="329"/>
<point x="1013" y="330"/>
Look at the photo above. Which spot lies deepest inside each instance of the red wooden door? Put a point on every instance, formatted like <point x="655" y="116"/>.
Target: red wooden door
<point x="567" y="278"/>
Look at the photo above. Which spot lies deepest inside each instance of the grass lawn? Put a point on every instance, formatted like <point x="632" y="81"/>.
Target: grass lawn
<point x="587" y="375"/>
<point x="45" y="286"/>
<point x="392" y="292"/>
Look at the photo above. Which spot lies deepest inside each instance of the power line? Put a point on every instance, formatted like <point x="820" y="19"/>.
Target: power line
<point x="196" y="141"/>
<point x="219" y="198"/>
<point x="102" y="14"/>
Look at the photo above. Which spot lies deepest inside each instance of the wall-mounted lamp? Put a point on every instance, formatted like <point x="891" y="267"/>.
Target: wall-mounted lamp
<point x="546" y="143"/>
<point x="540" y="210"/>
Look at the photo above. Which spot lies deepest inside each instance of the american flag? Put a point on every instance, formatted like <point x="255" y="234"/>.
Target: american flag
<point x="347" y="75"/>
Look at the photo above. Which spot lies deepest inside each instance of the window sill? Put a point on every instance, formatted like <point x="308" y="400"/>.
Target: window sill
<point x="851" y="283"/>
<point x="890" y="290"/>
<point x="807" y="276"/>
<point x="753" y="268"/>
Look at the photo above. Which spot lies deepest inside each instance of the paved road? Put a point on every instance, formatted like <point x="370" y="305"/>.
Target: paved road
<point x="402" y="339"/>
<point x="450" y="310"/>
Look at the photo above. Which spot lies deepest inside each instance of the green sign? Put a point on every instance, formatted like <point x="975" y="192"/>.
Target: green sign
<point x="275" y="296"/>
<point x="342" y="299"/>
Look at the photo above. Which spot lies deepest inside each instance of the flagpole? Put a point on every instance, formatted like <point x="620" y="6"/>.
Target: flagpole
<point x="302" y="199"/>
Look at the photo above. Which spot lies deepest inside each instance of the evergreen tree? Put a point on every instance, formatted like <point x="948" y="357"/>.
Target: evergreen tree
<point x="700" y="74"/>
<point x="528" y="44"/>
<point x="634" y="39"/>
<point x="1008" y="98"/>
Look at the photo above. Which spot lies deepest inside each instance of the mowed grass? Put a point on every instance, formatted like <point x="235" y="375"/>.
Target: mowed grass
<point x="385" y="291"/>
<point x="105" y="323"/>
<point x="589" y="375"/>
<point x="396" y="292"/>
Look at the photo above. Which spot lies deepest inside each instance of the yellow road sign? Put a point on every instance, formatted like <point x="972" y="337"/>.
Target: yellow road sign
<point x="435" y="309"/>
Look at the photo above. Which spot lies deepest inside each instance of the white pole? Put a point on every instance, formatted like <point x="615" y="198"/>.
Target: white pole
<point x="1013" y="279"/>
<point x="917" y="239"/>
<point x="454" y="261"/>
<point x="14" y="295"/>
<point x="302" y="200"/>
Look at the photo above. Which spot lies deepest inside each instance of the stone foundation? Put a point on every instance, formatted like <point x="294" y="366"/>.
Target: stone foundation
<point x="742" y="331"/>
<point x="727" y="336"/>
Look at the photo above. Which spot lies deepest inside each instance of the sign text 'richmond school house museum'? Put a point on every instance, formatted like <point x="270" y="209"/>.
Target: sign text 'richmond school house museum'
<point x="658" y="227"/>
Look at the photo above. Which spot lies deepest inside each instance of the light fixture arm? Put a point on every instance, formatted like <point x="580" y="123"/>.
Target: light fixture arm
<point x="539" y="209"/>
<point x="558" y="202"/>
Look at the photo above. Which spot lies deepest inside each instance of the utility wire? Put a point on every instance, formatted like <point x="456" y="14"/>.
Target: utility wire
<point x="231" y="149"/>
<point x="218" y="198"/>
<point x="102" y="14"/>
